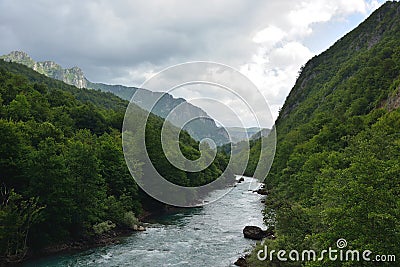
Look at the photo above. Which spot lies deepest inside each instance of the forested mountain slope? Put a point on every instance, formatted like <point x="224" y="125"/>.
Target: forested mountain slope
<point x="198" y="128"/>
<point x="63" y="175"/>
<point x="336" y="172"/>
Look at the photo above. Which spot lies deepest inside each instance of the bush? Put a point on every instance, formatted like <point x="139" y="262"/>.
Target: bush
<point x="103" y="227"/>
<point x="130" y="219"/>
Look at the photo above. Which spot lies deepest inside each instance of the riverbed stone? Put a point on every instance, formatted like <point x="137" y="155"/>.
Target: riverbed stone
<point x="256" y="233"/>
<point x="241" y="262"/>
<point x="261" y="191"/>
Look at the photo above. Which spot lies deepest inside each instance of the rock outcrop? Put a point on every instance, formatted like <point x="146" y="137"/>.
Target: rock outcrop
<point x="73" y="76"/>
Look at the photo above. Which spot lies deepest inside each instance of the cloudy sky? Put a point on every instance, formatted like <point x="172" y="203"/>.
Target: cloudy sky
<point x="127" y="41"/>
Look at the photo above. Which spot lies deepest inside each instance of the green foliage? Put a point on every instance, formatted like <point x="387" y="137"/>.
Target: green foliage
<point x="130" y="219"/>
<point x="19" y="109"/>
<point x="336" y="172"/>
<point x="61" y="159"/>
<point x="103" y="227"/>
<point x="16" y="217"/>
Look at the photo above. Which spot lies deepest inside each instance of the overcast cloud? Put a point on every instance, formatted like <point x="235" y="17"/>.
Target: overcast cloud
<point x="127" y="41"/>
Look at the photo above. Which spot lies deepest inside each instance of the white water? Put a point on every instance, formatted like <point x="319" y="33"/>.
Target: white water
<point x="207" y="236"/>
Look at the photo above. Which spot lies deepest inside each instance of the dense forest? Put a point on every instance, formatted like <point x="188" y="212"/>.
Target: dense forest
<point x="63" y="175"/>
<point x="336" y="172"/>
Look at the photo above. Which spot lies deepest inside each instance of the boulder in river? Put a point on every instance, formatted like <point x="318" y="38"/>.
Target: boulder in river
<point x="241" y="262"/>
<point x="138" y="228"/>
<point x="261" y="191"/>
<point x="256" y="233"/>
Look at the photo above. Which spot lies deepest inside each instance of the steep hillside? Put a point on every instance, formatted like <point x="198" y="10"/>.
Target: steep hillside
<point x="336" y="172"/>
<point x="203" y="127"/>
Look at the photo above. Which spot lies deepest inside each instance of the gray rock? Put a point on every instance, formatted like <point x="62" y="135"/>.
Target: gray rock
<point x="256" y="233"/>
<point x="241" y="262"/>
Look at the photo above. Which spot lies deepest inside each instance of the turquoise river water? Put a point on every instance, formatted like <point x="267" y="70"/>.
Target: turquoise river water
<point x="207" y="236"/>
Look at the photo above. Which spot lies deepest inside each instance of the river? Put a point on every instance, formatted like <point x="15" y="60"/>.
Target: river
<point x="207" y="236"/>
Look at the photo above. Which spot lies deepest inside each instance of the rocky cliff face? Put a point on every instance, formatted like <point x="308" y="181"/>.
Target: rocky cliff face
<point x="19" y="57"/>
<point x="73" y="76"/>
<point x="393" y="101"/>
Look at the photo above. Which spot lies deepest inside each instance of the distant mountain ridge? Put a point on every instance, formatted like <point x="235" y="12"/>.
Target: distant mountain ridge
<point x="204" y="127"/>
<point x="238" y="134"/>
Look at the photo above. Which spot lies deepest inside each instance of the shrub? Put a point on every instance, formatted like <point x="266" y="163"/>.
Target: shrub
<point x="130" y="219"/>
<point x="103" y="227"/>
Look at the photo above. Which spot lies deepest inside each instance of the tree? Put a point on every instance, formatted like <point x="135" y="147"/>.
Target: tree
<point x="16" y="218"/>
<point x="19" y="109"/>
<point x="87" y="186"/>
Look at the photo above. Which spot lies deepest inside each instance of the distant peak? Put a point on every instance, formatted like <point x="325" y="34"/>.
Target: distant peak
<point x="20" y="54"/>
<point x="19" y="57"/>
<point x="73" y="76"/>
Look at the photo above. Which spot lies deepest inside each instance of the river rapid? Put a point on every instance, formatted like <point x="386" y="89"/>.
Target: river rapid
<point x="206" y="236"/>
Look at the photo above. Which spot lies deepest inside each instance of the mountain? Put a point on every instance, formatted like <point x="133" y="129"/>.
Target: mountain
<point x="73" y="76"/>
<point x="63" y="175"/>
<point x="336" y="172"/>
<point x="261" y="133"/>
<point x="204" y="127"/>
<point x="238" y="134"/>
<point x="123" y="92"/>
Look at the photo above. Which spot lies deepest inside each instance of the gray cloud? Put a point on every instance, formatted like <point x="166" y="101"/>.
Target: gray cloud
<point x="126" y="41"/>
<point x="125" y="33"/>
